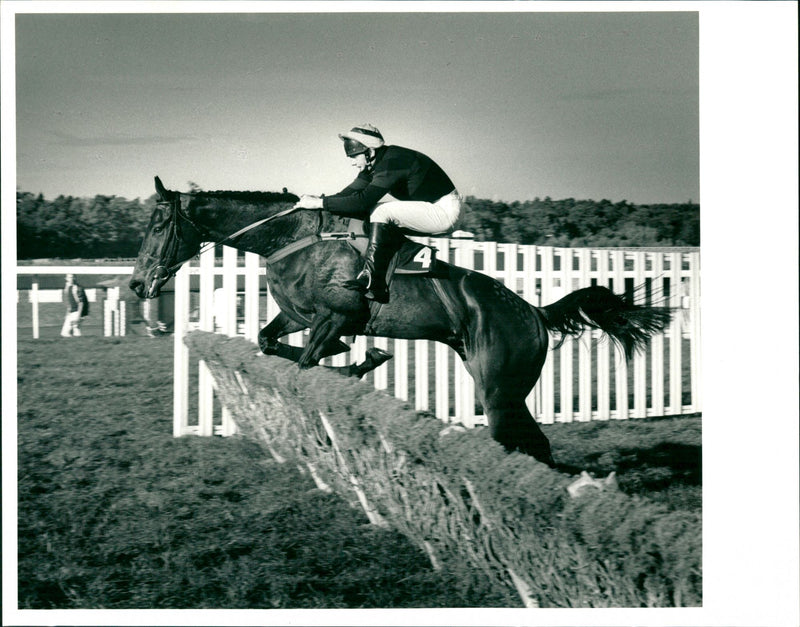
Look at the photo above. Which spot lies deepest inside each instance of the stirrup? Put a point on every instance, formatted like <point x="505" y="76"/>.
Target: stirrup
<point x="376" y="289"/>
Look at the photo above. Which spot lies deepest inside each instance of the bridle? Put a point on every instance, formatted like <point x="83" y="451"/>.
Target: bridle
<point x="168" y="258"/>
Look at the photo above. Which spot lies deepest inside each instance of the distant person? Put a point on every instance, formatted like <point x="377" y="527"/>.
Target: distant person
<point x="77" y="307"/>
<point x="395" y="187"/>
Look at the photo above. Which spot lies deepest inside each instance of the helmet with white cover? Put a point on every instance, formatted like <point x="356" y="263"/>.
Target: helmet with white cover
<point x="360" y="139"/>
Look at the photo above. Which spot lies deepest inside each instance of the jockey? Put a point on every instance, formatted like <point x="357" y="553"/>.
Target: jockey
<point x="396" y="188"/>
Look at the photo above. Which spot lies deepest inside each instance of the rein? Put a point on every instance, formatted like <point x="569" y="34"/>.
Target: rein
<point x="287" y="250"/>
<point x="249" y="227"/>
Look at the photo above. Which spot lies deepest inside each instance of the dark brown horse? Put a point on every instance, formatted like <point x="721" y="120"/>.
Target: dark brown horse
<point x="502" y="339"/>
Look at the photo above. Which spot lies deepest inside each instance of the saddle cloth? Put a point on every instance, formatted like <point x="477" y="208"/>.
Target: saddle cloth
<point x="411" y="258"/>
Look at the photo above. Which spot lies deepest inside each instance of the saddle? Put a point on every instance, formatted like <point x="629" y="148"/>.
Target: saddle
<point x="411" y="258"/>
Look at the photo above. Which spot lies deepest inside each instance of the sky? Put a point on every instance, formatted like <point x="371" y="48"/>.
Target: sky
<point x="513" y="106"/>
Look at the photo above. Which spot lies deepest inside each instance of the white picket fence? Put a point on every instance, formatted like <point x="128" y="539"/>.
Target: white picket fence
<point x="583" y="380"/>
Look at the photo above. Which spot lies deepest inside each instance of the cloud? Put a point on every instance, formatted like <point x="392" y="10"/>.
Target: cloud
<point x="65" y="139"/>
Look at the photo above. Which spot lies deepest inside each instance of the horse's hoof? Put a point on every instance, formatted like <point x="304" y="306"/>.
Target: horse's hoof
<point x="586" y="481"/>
<point x="452" y="429"/>
<point x="266" y="347"/>
<point x="375" y="357"/>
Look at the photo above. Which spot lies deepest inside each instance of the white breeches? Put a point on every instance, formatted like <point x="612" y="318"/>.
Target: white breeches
<point x="72" y="323"/>
<point x="425" y="217"/>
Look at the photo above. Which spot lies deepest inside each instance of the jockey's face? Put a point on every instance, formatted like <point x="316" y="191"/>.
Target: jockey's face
<point x="360" y="162"/>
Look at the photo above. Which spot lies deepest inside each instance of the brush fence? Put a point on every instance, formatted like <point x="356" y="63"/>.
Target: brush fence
<point x="585" y="379"/>
<point x="455" y="492"/>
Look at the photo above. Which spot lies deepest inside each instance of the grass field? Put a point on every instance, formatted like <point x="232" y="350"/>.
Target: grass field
<point x="115" y="513"/>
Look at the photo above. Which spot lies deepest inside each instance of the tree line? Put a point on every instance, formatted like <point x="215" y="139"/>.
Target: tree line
<point x="111" y="226"/>
<point x="583" y="223"/>
<point x="87" y="228"/>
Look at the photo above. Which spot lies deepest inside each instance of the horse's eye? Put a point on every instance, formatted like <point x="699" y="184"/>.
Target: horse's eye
<point x="157" y="229"/>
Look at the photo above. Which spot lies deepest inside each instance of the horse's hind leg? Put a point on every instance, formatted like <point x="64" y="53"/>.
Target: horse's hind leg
<point x="502" y="394"/>
<point x="505" y="348"/>
<point x="515" y="428"/>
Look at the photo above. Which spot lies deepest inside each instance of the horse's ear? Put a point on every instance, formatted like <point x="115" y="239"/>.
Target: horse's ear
<point x="161" y="190"/>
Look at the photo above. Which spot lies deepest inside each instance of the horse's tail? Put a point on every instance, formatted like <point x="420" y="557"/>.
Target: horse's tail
<point x="629" y="325"/>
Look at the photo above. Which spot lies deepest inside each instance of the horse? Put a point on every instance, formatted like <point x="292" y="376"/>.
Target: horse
<point x="501" y="338"/>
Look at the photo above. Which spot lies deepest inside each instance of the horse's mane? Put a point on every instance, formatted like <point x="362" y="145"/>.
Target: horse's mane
<point x="283" y="196"/>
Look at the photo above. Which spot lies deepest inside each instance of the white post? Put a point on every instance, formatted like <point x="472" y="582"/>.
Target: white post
<point x="585" y="356"/>
<point x="676" y="336"/>
<point x="35" y="309"/>
<point x="565" y="353"/>
<point x="230" y="262"/>
<point x="549" y="295"/>
<point x="421" y="375"/>
<point x="657" y="346"/>
<point x="400" y="369"/>
<point x="697" y="387"/>
<point x="180" y="394"/>
<point x="230" y="259"/>
<point x="639" y="361"/>
<point x="111" y="312"/>
<point x="252" y="282"/>
<point x="603" y="352"/>
<point x="122" y="317"/>
<point x="620" y="363"/>
<point x="509" y="265"/>
<point x="108" y="319"/>
<point x="205" y="418"/>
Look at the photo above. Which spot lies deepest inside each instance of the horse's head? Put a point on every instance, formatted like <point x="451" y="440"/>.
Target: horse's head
<point x="171" y="238"/>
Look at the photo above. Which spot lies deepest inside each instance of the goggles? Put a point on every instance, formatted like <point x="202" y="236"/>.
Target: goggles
<point x="353" y="147"/>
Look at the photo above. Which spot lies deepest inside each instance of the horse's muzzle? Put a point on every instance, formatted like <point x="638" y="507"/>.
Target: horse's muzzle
<point x="137" y="286"/>
<point x="160" y="276"/>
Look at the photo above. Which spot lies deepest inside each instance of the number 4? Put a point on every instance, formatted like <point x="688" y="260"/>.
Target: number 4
<point x="423" y="258"/>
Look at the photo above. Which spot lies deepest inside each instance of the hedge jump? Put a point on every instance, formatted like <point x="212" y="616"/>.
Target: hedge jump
<point x="458" y="495"/>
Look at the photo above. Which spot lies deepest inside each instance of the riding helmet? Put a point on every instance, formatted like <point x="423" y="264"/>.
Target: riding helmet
<point x="360" y="139"/>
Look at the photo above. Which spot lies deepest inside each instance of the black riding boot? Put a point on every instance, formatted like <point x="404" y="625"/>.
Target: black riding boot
<point x="383" y="242"/>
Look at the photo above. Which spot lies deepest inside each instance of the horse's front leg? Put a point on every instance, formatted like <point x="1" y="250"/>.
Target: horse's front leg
<point x="283" y="325"/>
<point x="279" y="326"/>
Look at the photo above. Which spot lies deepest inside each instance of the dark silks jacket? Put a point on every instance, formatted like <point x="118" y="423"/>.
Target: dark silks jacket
<point x="74" y="295"/>
<point x="405" y="174"/>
